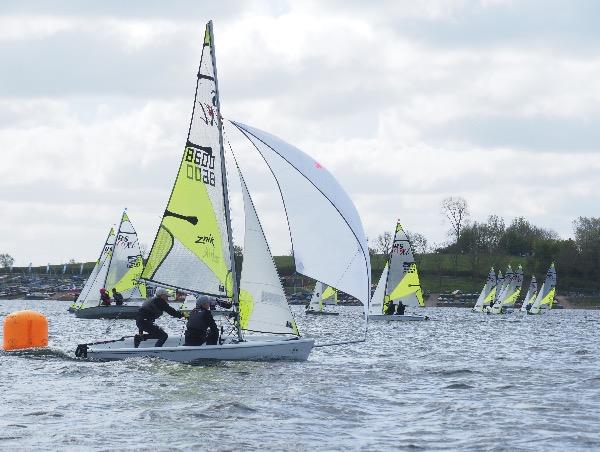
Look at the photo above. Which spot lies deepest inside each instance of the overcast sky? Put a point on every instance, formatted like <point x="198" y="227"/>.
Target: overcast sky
<point x="405" y="103"/>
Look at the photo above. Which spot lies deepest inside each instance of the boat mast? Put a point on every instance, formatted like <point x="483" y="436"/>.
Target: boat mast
<point x="236" y="295"/>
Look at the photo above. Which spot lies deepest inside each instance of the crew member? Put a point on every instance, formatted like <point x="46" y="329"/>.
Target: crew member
<point x="104" y="297"/>
<point x="389" y="309"/>
<point x="199" y="322"/>
<point x="148" y="313"/>
<point x="400" y="308"/>
<point x="117" y="297"/>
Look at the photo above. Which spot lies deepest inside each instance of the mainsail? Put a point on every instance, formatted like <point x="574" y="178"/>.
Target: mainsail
<point x="531" y="294"/>
<point x="126" y="263"/>
<point x="547" y="291"/>
<point x="402" y="283"/>
<point x="192" y="248"/>
<point x="263" y="306"/>
<point x="487" y="293"/>
<point x="88" y="296"/>
<point x="513" y="289"/>
<point x="338" y="255"/>
<point x="322" y="294"/>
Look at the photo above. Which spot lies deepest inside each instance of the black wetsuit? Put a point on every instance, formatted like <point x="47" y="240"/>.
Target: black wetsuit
<point x="118" y="298"/>
<point x="389" y="310"/>
<point x="148" y="313"/>
<point x="400" y="309"/>
<point x="199" y="322"/>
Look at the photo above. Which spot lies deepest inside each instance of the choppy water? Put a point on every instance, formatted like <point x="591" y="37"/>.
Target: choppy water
<point x="459" y="381"/>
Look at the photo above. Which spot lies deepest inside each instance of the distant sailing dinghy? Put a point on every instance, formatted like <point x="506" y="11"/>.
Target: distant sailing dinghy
<point x="321" y="296"/>
<point x="530" y="296"/>
<point x="399" y="283"/>
<point x="120" y="268"/>
<point x="193" y="248"/>
<point x="546" y="293"/>
<point x="487" y="293"/>
<point x="510" y="292"/>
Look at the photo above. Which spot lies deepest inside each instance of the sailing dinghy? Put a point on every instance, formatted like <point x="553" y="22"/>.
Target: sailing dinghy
<point x="193" y="248"/>
<point x="399" y="283"/>
<point x="321" y="296"/>
<point x="510" y="292"/>
<point x="530" y="296"/>
<point x="487" y="293"/>
<point x="120" y="268"/>
<point x="546" y="293"/>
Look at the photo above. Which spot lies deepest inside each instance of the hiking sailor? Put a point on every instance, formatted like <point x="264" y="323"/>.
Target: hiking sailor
<point x="199" y="322"/>
<point x="117" y="297"/>
<point x="148" y="313"/>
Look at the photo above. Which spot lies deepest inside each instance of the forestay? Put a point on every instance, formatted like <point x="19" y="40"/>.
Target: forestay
<point x="338" y="254"/>
<point x="403" y="279"/>
<point x="191" y="250"/>
<point x="88" y="296"/>
<point x="263" y="306"/>
<point x="126" y="263"/>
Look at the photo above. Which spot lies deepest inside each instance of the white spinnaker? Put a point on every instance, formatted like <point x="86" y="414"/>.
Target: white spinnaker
<point x="316" y="302"/>
<point x="531" y="293"/>
<point x="376" y="306"/>
<point x="90" y="295"/>
<point x="338" y="255"/>
<point x="489" y="285"/>
<point x="126" y="263"/>
<point x="267" y="311"/>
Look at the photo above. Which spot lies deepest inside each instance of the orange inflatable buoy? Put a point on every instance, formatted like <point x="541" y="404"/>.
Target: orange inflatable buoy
<point x="25" y="329"/>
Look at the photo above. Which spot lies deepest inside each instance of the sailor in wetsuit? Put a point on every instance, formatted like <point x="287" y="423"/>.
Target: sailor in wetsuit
<point x="148" y="313"/>
<point x="400" y="308"/>
<point x="389" y="309"/>
<point x="199" y="322"/>
<point x="117" y="297"/>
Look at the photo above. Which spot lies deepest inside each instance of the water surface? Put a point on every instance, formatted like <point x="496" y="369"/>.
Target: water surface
<point x="459" y="381"/>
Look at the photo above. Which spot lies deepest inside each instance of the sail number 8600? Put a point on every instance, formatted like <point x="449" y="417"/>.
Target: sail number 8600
<point x="200" y="166"/>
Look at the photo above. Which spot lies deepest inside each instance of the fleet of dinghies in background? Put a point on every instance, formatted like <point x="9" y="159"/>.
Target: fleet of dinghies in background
<point x="193" y="252"/>
<point x="499" y="294"/>
<point x="119" y="266"/>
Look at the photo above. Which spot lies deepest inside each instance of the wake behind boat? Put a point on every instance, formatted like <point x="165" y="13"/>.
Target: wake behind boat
<point x="193" y="248"/>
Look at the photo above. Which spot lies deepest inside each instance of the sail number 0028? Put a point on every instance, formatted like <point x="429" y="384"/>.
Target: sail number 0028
<point x="200" y="166"/>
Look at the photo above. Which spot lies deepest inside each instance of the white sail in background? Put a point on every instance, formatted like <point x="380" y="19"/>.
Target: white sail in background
<point x="402" y="283"/>
<point x="263" y="305"/>
<point x="508" y="277"/>
<point x="338" y="255"/>
<point x="487" y="293"/>
<point x="513" y="289"/>
<point x="126" y="264"/>
<point x="531" y="294"/>
<point x="546" y="292"/>
<point x="191" y="250"/>
<point x="376" y="306"/>
<point x="316" y="302"/>
<point x="90" y="294"/>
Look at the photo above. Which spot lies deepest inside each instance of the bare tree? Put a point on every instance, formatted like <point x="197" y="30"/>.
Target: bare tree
<point x="418" y="242"/>
<point x="384" y="242"/>
<point x="456" y="210"/>
<point x="6" y="260"/>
